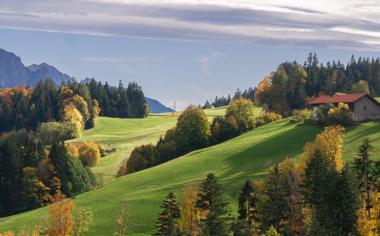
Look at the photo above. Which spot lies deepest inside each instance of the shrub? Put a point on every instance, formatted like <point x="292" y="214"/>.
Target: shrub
<point x="340" y="115"/>
<point x="52" y="132"/>
<point x="331" y="115"/>
<point x="301" y="116"/>
<point x="268" y="117"/>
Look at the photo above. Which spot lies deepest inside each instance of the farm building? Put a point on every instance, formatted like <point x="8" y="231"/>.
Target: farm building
<point x="363" y="106"/>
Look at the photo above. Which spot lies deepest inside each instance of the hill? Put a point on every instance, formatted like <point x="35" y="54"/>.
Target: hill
<point x="247" y="156"/>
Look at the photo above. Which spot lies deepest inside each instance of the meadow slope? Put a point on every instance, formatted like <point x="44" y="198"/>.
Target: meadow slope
<point x="247" y="156"/>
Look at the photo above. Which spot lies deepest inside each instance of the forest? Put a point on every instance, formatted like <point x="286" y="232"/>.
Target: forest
<point x="292" y="84"/>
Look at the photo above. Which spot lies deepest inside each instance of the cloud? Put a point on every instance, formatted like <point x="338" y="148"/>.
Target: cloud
<point x="352" y="24"/>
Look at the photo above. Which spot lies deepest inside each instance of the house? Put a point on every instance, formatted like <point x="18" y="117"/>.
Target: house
<point x="363" y="106"/>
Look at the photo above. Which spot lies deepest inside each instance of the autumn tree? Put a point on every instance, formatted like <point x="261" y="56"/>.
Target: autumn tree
<point x="121" y="220"/>
<point x="189" y="222"/>
<point x="168" y="221"/>
<point x="212" y="207"/>
<point x="239" y="113"/>
<point x="83" y="218"/>
<point x="329" y="144"/>
<point x="360" y="87"/>
<point x="61" y="221"/>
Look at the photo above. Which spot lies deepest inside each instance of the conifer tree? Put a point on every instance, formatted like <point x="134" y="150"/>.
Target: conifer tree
<point x="276" y="210"/>
<point x="212" y="207"/>
<point x="168" y="221"/>
<point x="246" y="223"/>
<point x="364" y="168"/>
<point x="344" y="204"/>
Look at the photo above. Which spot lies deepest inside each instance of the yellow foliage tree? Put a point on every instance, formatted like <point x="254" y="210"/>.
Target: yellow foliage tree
<point x="87" y="152"/>
<point x="189" y="222"/>
<point x="262" y="87"/>
<point x="61" y="222"/>
<point x="73" y="116"/>
<point x="330" y="144"/>
<point x="369" y="227"/>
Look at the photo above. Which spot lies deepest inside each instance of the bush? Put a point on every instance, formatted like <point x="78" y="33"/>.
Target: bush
<point x="301" y="116"/>
<point x="268" y="117"/>
<point x="331" y="115"/>
<point x="53" y="132"/>
<point x="340" y="115"/>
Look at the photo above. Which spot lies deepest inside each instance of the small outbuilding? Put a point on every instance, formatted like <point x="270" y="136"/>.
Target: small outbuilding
<point x="363" y="106"/>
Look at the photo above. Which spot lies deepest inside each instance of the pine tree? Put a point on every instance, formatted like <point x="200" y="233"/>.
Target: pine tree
<point x="212" y="207"/>
<point x="276" y="209"/>
<point x="344" y="204"/>
<point x="246" y="223"/>
<point x="364" y="167"/>
<point x="168" y="221"/>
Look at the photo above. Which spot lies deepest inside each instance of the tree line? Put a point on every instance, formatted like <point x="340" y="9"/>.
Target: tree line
<point x="193" y="131"/>
<point x="75" y="104"/>
<point x="292" y="84"/>
<point x="321" y="195"/>
<point x="32" y="173"/>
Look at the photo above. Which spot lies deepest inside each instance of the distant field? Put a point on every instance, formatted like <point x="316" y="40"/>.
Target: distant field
<point x="247" y="156"/>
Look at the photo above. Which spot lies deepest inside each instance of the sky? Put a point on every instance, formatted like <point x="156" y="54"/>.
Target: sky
<point x="186" y="51"/>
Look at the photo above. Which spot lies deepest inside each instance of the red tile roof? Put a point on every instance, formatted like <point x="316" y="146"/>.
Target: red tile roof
<point x="337" y="98"/>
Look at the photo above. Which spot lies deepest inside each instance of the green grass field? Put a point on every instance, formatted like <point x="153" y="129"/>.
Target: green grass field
<point x="247" y="156"/>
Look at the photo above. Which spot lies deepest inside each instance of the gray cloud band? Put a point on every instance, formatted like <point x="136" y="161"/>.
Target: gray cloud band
<point x="294" y="26"/>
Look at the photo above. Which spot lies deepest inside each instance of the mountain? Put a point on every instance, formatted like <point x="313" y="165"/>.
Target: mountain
<point x="44" y="71"/>
<point x="157" y="107"/>
<point x="13" y="72"/>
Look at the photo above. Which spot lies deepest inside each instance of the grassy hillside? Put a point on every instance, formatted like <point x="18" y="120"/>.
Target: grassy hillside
<point x="123" y="135"/>
<point x="247" y="156"/>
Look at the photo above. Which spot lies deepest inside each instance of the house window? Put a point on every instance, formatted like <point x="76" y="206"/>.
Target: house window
<point x="365" y="108"/>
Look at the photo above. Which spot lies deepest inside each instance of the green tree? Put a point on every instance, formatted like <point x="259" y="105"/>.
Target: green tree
<point x="193" y="130"/>
<point x="74" y="177"/>
<point x="212" y="207"/>
<point x="247" y="221"/>
<point x="365" y="171"/>
<point x="168" y="221"/>
<point x="276" y="208"/>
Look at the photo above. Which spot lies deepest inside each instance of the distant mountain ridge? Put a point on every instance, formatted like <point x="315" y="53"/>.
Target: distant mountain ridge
<point x="13" y="72"/>
<point x="157" y="107"/>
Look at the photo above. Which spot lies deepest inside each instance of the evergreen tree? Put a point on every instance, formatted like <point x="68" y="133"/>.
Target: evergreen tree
<point x="276" y="209"/>
<point x="167" y="224"/>
<point x="247" y="221"/>
<point x="344" y="204"/>
<point x="212" y="207"/>
<point x="365" y="168"/>
<point x="74" y="177"/>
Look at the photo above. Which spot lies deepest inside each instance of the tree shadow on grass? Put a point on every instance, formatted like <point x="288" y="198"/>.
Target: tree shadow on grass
<point x="259" y="157"/>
